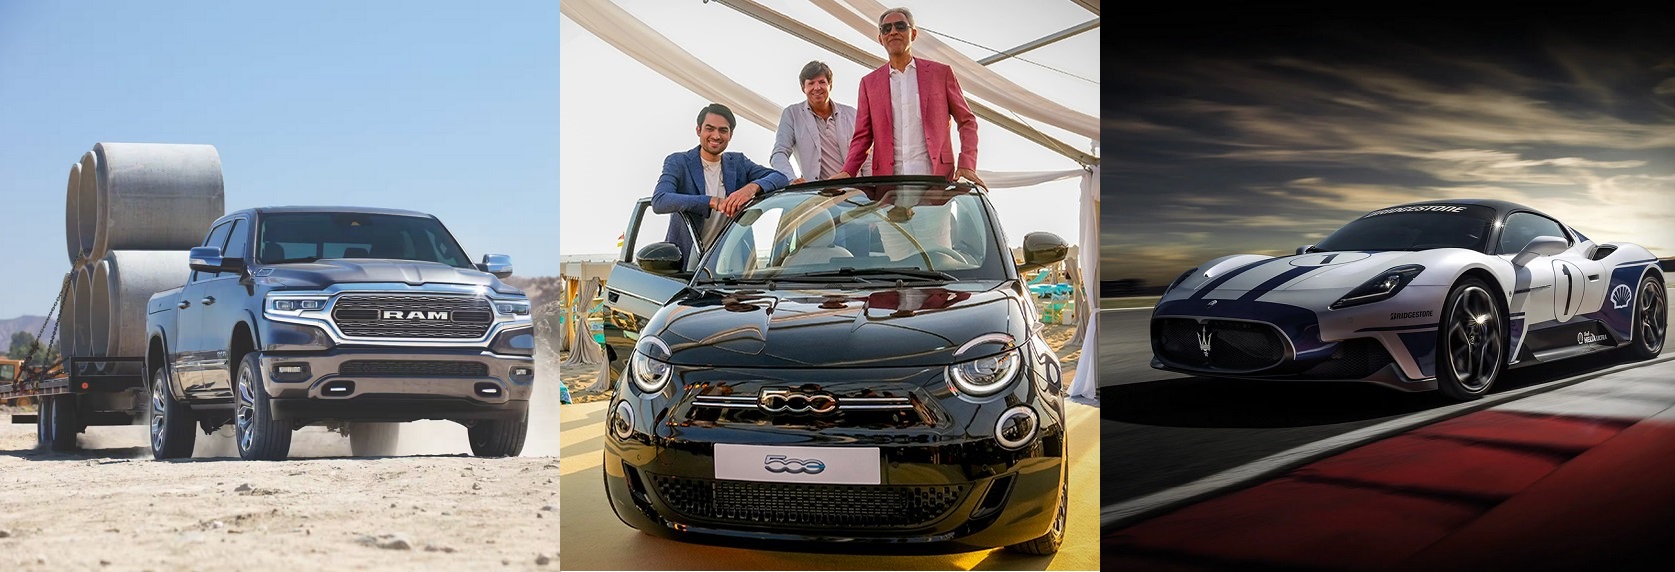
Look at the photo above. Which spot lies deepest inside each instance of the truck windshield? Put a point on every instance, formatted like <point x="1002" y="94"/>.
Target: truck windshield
<point x="307" y="237"/>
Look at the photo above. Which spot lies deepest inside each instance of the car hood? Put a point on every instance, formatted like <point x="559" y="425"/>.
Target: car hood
<point x="903" y="327"/>
<point x="1237" y="276"/>
<point x="319" y="275"/>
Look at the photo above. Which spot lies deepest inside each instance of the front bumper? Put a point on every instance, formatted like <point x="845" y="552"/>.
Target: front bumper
<point x="396" y="384"/>
<point x="945" y="484"/>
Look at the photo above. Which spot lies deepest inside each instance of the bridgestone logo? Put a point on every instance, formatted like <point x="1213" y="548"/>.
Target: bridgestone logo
<point x="1418" y="209"/>
<point x="1406" y="315"/>
<point x="412" y="315"/>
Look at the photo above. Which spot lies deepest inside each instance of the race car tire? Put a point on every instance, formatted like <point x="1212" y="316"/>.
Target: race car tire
<point x="1651" y="319"/>
<point x="1471" y="342"/>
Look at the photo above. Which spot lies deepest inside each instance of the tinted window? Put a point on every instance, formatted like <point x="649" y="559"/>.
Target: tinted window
<point x="1522" y="227"/>
<point x="1420" y="227"/>
<point x="306" y="237"/>
<point x="217" y="237"/>
<point x="238" y="241"/>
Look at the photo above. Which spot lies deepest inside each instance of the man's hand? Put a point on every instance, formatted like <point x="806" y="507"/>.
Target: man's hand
<point x="735" y="201"/>
<point x="715" y="203"/>
<point x="839" y="175"/>
<point x="798" y="181"/>
<point x="970" y="174"/>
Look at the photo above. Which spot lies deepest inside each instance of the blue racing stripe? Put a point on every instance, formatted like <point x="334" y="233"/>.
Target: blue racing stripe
<point x="1276" y="281"/>
<point x="1213" y="284"/>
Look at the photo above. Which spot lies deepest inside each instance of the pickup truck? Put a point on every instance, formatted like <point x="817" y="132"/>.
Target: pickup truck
<point x="354" y="318"/>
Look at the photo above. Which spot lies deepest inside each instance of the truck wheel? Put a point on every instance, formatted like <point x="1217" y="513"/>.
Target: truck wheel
<point x="43" y="424"/>
<point x="498" y="437"/>
<point x="373" y="439"/>
<point x="64" y="425"/>
<point x="258" y="436"/>
<point x="171" y="421"/>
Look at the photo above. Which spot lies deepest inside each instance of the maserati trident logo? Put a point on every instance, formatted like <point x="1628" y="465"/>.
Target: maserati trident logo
<point x="1204" y="335"/>
<point x="780" y="464"/>
<point x="412" y="315"/>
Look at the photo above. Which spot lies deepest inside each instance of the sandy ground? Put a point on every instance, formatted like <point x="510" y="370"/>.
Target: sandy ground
<point x="432" y="507"/>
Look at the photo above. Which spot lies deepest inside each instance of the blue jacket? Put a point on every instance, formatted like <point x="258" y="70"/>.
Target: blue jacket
<point x="680" y="189"/>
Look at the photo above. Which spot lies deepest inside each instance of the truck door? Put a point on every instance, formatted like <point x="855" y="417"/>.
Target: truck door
<point x="632" y="294"/>
<point x="226" y="297"/>
<point x="195" y="347"/>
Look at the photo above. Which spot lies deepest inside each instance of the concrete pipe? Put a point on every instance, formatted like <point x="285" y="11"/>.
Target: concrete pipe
<point x="72" y="221"/>
<point x="87" y="203"/>
<point x="122" y="286"/>
<point x="67" y="318"/>
<point x="84" y="310"/>
<point x="154" y="196"/>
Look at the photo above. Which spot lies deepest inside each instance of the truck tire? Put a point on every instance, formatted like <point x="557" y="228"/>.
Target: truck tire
<point x="43" y="422"/>
<point x="171" y="421"/>
<point x="258" y="436"/>
<point x="64" y="424"/>
<point x="498" y="437"/>
<point x="373" y="439"/>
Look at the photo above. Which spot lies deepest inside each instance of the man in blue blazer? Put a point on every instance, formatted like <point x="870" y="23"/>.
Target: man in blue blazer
<point x="706" y="178"/>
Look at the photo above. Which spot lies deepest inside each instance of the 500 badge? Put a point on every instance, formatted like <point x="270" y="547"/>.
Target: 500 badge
<point x="781" y="464"/>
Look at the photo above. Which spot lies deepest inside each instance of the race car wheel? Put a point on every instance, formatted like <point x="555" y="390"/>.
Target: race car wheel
<point x="1471" y="345"/>
<point x="171" y="421"/>
<point x="498" y="437"/>
<point x="1651" y="319"/>
<point x="1050" y="542"/>
<point x="259" y="437"/>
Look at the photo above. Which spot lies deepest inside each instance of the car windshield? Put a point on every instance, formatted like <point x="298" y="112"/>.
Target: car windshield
<point x="874" y="233"/>
<point x="1420" y="227"/>
<point x="307" y="237"/>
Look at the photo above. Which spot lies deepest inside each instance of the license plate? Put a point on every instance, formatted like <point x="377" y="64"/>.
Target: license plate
<point x="788" y="464"/>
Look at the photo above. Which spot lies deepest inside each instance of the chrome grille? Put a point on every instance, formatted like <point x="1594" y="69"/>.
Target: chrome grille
<point x="357" y="315"/>
<point x="1234" y="346"/>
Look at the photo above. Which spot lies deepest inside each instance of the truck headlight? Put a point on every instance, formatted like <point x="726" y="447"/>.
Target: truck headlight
<point x="650" y="364"/>
<point x="1381" y="287"/>
<point x="296" y="304"/>
<point x="512" y="307"/>
<point x="987" y="375"/>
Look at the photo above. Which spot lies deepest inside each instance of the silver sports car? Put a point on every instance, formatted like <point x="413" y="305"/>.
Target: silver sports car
<point x="1433" y="295"/>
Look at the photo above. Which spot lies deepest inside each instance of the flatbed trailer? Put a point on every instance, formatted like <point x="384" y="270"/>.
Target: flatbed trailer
<point x="92" y="391"/>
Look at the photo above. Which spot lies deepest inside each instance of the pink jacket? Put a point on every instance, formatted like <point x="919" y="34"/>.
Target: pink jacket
<point x="939" y="98"/>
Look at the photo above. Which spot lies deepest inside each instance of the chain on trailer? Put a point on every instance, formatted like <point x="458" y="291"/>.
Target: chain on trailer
<point x="31" y="378"/>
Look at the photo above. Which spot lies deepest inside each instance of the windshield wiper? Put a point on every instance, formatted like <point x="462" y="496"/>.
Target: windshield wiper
<point x="846" y="272"/>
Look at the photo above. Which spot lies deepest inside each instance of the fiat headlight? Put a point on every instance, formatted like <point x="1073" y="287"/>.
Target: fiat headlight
<point x="650" y="365"/>
<point x="987" y="375"/>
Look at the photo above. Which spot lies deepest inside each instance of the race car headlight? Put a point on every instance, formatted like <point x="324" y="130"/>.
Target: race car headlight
<point x="986" y="375"/>
<point x="1382" y="287"/>
<point x="650" y="365"/>
<point x="1179" y="280"/>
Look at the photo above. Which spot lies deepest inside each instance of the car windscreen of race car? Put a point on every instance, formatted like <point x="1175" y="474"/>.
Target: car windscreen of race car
<point x="1421" y="227"/>
<point x="903" y="232"/>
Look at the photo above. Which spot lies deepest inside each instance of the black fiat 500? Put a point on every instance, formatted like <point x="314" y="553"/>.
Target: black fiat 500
<point x="850" y="362"/>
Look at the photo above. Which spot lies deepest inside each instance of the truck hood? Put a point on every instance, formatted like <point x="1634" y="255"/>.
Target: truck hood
<point x="319" y="275"/>
<point x="906" y="327"/>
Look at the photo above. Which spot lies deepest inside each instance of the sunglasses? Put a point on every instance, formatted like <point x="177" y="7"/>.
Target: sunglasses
<point x="899" y="26"/>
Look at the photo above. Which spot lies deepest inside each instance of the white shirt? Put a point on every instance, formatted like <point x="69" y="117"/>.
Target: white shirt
<point x="712" y="187"/>
<point x="912" y="158"/>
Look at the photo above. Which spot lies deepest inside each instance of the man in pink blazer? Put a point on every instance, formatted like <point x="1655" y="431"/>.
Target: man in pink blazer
<point x="903" y="110"/>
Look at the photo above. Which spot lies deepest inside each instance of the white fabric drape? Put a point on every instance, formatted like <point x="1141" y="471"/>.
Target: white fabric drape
<point x="583" y="350"/>
<point x="1086" y="383"/>
<point x="975" y="78"/>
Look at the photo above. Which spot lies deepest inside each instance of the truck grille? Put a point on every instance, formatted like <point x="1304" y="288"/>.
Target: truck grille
<point x="420" y="316"/>
<point x="1233" y="346"/>
<point x="809" y="506"/>
<point x="413" y="368"/>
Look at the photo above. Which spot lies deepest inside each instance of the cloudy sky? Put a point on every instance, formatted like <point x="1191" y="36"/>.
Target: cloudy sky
<point x="1267" y="131"/>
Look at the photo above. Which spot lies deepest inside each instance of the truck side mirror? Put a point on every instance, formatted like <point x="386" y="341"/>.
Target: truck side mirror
<point x="500" y="265"/>
<point x="208" y="259"/>
<point x="1041" y="249"/>
<point x="1540" y="246"/>
<point x="659" y="258"/>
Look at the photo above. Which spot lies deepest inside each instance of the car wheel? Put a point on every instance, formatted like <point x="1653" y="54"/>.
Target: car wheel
<point x="498" y="437"/>
<point x="1050" y="542"/>
<point x="373" y="439"/>
<point x="171" y="421"/>
<point x="1471" y="344"/>
<point x="64" y="424"/>
<point x="258" y="436"/>
<point x="1651" y="319"/>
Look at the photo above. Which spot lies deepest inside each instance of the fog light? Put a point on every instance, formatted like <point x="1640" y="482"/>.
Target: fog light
<point x="522" y="374"/>
<point x="1016" y="427"/>
<point x="290" y="372"/>
<point x="622" y="422"/>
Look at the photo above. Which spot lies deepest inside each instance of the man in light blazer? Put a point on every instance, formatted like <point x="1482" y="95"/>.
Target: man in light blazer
<point x="817" y="130"/>
<point x="902" y="114"/>
<point x="704" y="180"/>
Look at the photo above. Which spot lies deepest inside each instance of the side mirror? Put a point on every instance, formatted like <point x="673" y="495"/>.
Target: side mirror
<point x="1304" y="249"/>
<point x="659" y="258"/>
<point x="208" y="259"/>
<point x="1041" y="249"/>
<point x="1540" y="246"/>
<point x="500" y="265"/>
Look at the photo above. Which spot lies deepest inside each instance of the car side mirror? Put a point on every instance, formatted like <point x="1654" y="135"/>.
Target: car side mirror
<point x="1304" y="249"/>
<point x="1540" y="246"/>
<point x="1041" y="249"/>
<point x="209" y="259"/>
<point x="500" y="265"/>
<point x="659" y="258"/>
